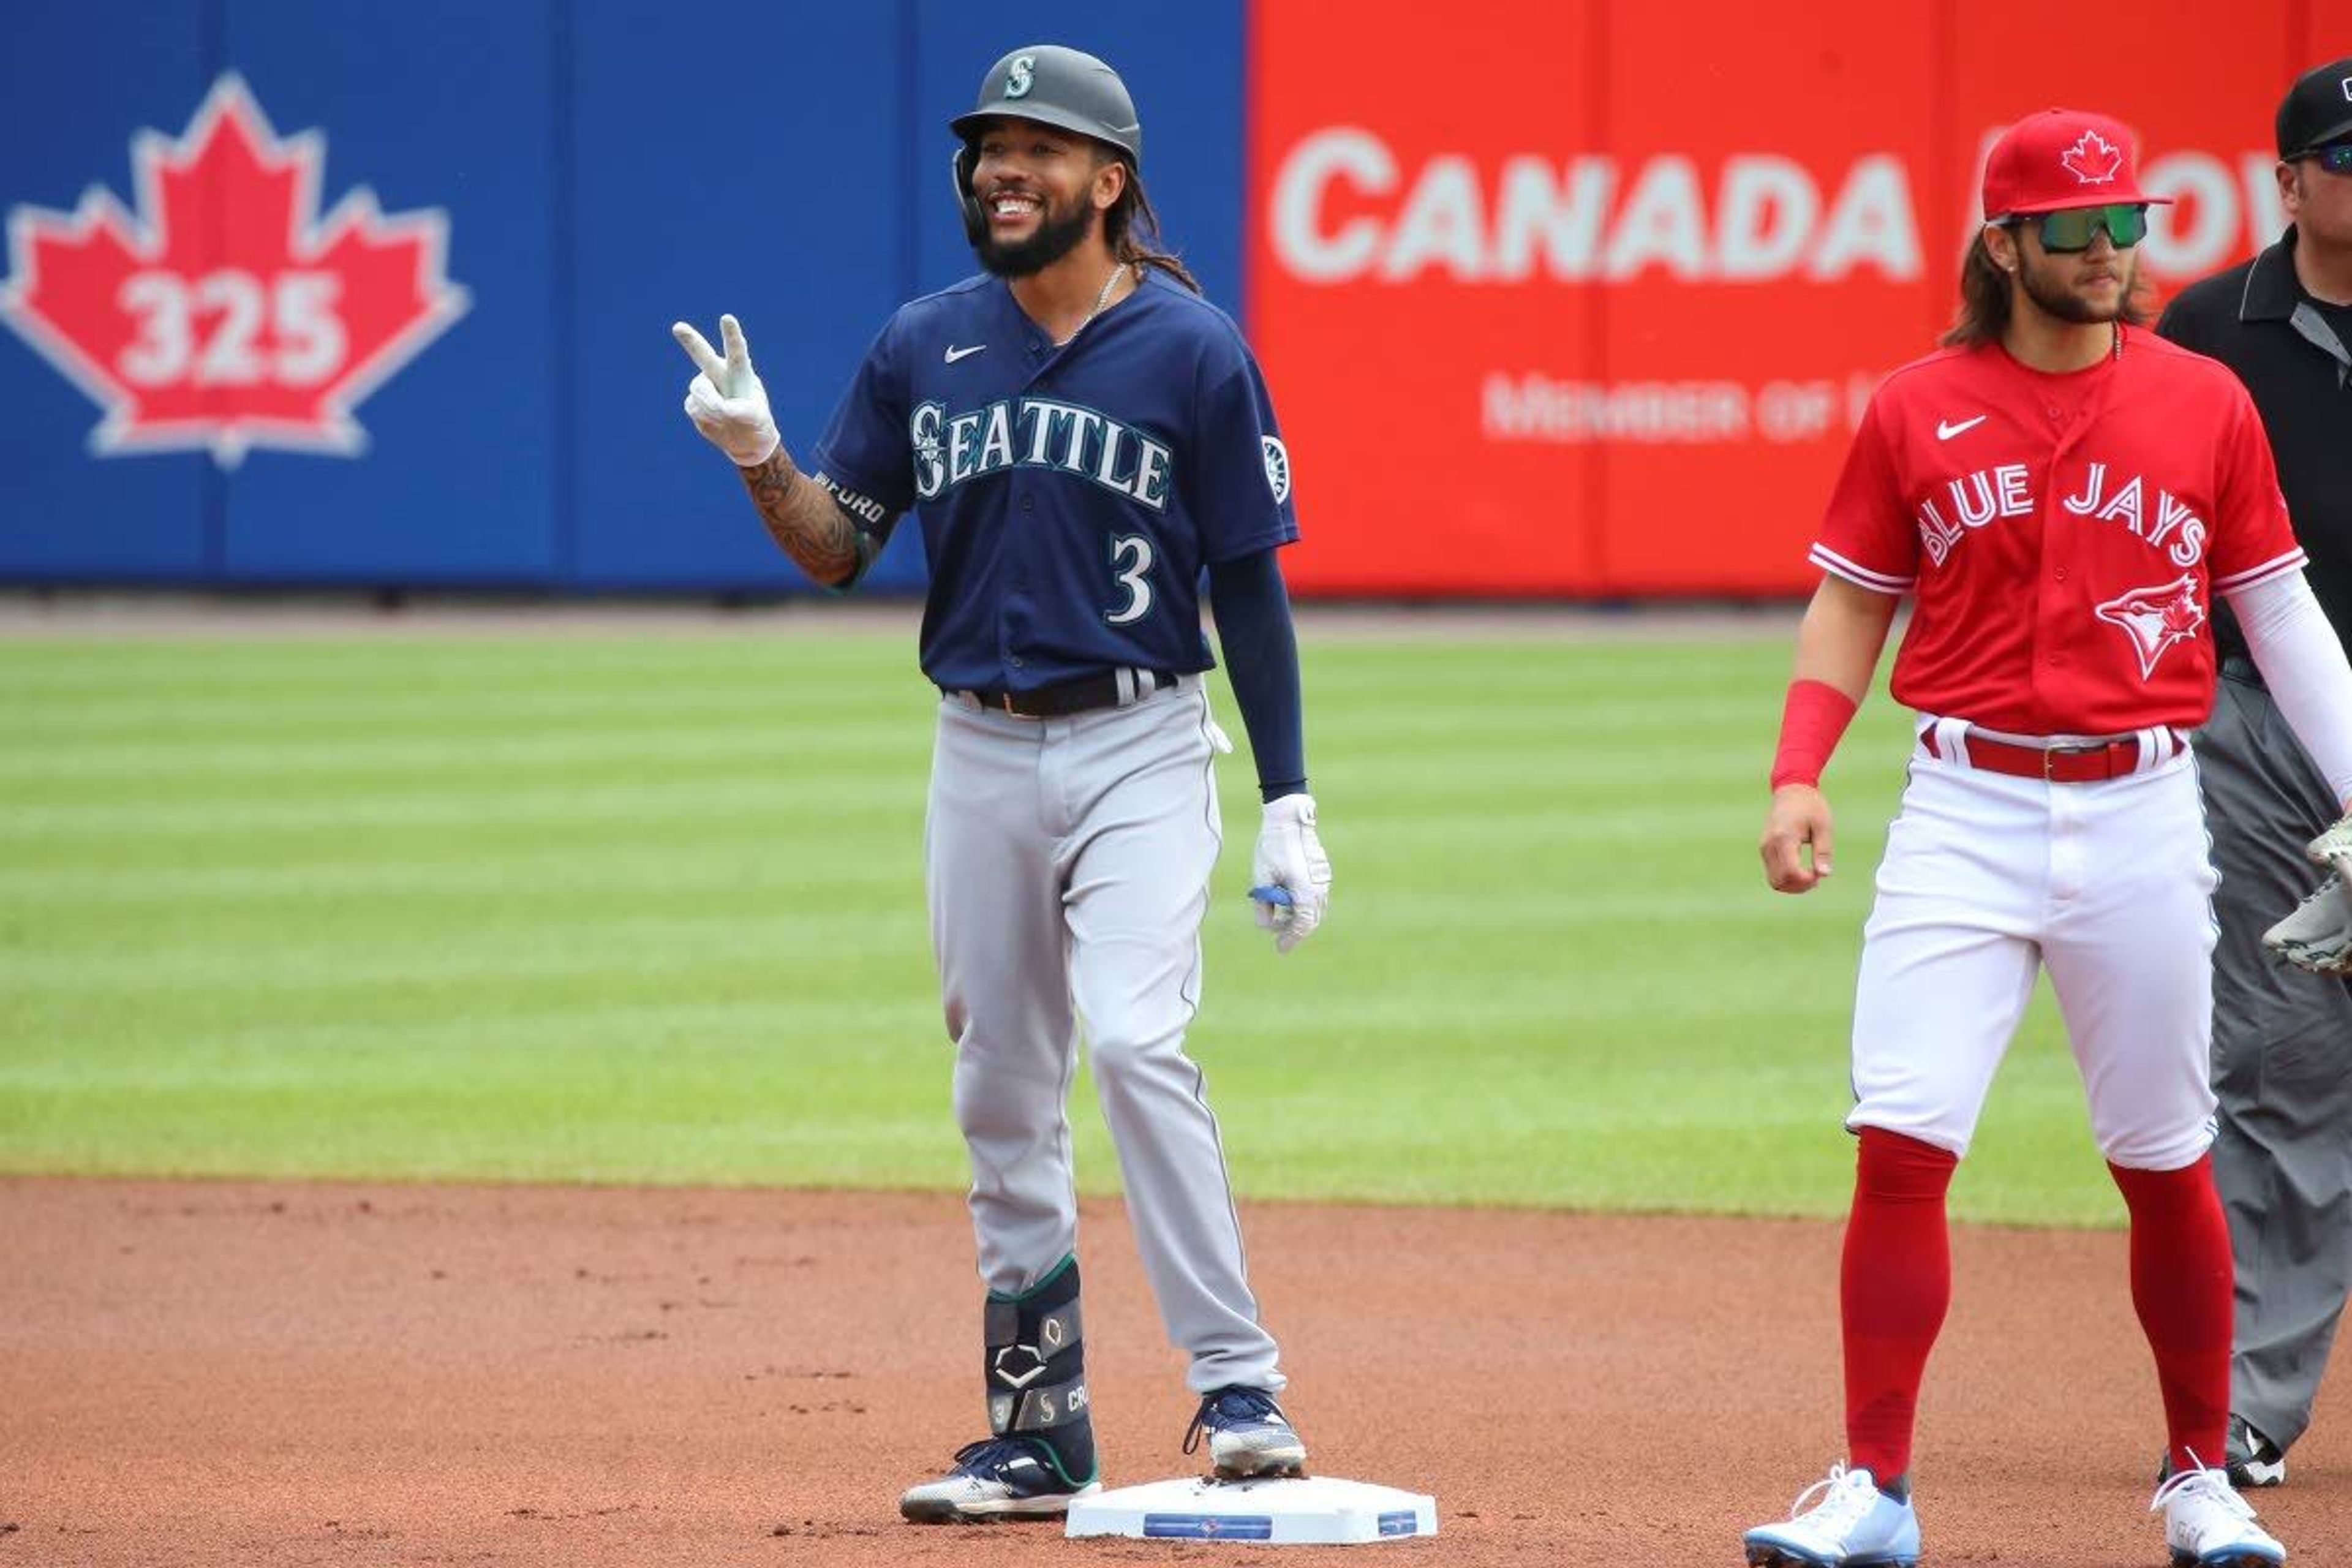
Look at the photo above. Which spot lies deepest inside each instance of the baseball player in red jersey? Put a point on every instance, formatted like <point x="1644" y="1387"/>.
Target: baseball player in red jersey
<point x="2063" y="494"/>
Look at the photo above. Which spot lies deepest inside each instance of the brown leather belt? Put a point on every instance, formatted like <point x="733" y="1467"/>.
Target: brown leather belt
<point x="2058" y="765"/>
<point x="1083" y="695"/>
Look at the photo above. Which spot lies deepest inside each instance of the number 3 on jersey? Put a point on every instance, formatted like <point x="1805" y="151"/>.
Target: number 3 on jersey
<point x="1130" y="560"/>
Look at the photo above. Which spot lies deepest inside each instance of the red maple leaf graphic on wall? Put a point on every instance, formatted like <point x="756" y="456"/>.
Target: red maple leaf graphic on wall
<point x="226" y="313"/>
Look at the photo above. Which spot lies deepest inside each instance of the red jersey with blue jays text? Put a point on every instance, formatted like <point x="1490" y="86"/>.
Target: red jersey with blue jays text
<point x="2064" y="536"/>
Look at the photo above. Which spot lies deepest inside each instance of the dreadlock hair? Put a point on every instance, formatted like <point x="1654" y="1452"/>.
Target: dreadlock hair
<point x="1986" y="300"/>
<point x="1127" y="222"/>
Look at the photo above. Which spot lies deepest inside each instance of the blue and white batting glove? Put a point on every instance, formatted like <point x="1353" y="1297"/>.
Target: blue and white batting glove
<point x="1290" y="858"/>
<point x="726" y="400"/>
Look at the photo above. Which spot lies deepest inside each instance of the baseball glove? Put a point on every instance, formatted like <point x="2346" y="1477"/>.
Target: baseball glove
<point x="2318" y="936"/>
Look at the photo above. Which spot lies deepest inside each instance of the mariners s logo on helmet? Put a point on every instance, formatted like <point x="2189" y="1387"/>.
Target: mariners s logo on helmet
<point x="1021" y="76"/>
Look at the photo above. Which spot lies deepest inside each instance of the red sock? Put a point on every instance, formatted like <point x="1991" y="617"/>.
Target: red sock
<point x="2181" y="1281"/>
<point x="1895" y="1283"/>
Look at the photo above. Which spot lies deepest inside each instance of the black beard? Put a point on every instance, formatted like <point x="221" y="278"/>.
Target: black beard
<point x="1056" y="236"/>
<point x="2056" y="301"/>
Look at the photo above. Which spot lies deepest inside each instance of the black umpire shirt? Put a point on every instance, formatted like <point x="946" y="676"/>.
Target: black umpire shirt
<point x="2295" y="354"/>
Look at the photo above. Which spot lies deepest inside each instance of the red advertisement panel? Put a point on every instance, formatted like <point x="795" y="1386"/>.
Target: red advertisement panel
<point x="1583" y="299"/>
<point x="1420" y="216"/>
<point x="1787" y="275"/>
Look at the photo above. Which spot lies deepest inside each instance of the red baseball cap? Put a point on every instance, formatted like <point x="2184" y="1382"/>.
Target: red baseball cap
<point x="2061" y="158"/>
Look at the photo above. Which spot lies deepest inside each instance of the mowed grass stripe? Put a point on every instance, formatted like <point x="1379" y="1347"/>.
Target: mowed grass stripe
<point x="643" y="909"/>
<point x="462" y="798"/>
<point x="351" y="750"/>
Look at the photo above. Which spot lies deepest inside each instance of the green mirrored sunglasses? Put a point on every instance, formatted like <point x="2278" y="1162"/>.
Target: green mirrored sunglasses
<point x="2072" y="229"/>
<point x="2336" y="160"/>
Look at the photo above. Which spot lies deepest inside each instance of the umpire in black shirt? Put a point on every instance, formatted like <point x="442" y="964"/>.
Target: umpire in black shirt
<point x="2282" y="1037"/>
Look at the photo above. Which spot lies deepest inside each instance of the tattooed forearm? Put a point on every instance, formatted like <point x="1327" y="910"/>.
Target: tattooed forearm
<point x="802" y="518"/>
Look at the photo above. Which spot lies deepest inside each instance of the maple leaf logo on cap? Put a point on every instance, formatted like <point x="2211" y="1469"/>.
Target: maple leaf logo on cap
<point x="226" y="313"/>
<point x="2092" y="159"/>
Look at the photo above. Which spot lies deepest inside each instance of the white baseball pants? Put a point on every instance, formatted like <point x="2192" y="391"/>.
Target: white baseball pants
<point x="1068" y="864"/>
<point x="1988" y="878"/>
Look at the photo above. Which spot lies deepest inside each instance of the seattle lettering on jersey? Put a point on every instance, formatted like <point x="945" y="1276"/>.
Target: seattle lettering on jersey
<point x="1035" y="433"/>
<point x="1978" y="499"/>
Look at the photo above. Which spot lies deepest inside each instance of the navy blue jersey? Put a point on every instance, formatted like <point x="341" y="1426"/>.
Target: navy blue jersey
<point x="1069" y="497"/>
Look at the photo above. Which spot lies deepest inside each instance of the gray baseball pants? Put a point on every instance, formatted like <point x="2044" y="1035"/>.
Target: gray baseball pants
<point x="1068" y="862"/>
<point x="2281" y="1066"/>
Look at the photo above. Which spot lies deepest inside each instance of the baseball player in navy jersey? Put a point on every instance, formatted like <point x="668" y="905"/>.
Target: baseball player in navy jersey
<point x="1082" y="437"/>
<point x="2062" y="494"/>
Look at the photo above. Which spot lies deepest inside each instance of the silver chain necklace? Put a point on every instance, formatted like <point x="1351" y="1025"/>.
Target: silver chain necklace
<point x="1101" y="300"/>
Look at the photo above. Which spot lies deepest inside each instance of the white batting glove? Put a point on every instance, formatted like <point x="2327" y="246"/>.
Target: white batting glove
<point x="726" y="402"/>
<point x="1290" y="859"/>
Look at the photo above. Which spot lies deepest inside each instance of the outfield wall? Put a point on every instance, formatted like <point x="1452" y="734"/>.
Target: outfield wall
<point x="1568" y="299"/>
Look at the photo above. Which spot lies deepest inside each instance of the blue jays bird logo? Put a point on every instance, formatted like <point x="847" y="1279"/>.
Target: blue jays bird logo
<point x="2156" y="618"/>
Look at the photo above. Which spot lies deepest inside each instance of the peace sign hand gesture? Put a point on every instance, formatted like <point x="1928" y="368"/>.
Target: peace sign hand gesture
<point x="726" y="400"/>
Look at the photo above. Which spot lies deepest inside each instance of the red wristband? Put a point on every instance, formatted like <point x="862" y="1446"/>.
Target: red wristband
<point x="1815" y="715"/>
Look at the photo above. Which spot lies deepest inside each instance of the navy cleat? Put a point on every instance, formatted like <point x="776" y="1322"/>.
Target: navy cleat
<point x="994" y="1478"/>
<point x="1248" y="1434"/>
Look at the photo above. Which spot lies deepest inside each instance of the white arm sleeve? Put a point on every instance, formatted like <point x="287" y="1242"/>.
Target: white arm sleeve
<point x="2303" y="662"/>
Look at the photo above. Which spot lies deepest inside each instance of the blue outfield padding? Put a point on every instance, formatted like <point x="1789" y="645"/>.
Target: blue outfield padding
<point x="579" y="176"/>
<point x="788" y="219"/>
<point x="455" y="487"/>
<point x="74" y="83"/>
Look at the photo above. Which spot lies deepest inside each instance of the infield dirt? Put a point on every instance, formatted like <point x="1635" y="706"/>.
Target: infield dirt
<point x="218" y="1373"/>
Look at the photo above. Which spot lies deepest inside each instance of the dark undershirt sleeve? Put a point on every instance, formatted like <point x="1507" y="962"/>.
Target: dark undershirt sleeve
<point x="1261" y="648"/>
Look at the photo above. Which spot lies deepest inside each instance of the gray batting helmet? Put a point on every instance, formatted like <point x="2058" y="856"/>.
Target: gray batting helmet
<point x="1067" y="89"/>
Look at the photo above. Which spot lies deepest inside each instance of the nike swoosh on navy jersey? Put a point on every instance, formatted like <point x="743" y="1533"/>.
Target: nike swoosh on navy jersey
<point x="1945" y="432"/>
<point x="955" y="353"/>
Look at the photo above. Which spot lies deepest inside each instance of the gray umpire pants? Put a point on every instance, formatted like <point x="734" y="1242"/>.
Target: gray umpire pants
<point x="2281" y="1065"/>
<point x="1068" y="864"/>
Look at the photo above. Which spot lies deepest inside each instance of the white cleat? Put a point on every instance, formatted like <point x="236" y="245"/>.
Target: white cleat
<point x="2207" y="1525"/>
<point x="1854" y="1525"/>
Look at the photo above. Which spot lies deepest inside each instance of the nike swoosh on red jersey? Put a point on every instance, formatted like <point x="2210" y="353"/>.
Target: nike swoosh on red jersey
<point x="1945" y="431"/>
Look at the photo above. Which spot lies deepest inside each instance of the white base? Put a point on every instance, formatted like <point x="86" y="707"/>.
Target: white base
<point x="1317" y="1510"/>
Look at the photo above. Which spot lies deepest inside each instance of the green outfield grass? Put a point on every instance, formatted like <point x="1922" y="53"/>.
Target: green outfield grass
<point x="636" y="906"/>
